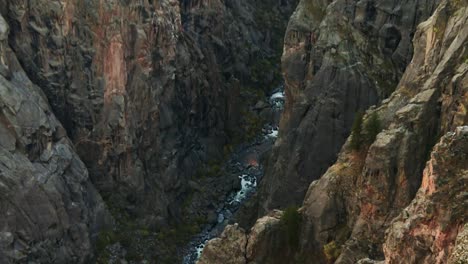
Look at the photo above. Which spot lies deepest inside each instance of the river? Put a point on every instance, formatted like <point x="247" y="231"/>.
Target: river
<point x="245" y="162"/>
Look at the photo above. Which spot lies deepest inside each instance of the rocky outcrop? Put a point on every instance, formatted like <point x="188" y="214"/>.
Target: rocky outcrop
<point x="51" y="212"/>
<point x="263" y="243"/>
<point x="229" y="248"/>
<point x="426" y="230"/>
<point x="339" y="57"/>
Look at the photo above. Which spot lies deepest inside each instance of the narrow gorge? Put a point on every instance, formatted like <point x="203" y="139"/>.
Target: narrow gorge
<point x="233" y="131"/>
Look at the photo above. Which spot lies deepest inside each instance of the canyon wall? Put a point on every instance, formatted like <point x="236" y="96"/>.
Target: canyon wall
<point x="364" y="190"/>
<point x="147" y="92"/>
<point x="400" y="198"/>
<point x="339" y="57"/>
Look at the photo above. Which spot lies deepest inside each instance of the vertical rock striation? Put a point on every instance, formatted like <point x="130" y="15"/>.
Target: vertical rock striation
<point x="51" y="212"/>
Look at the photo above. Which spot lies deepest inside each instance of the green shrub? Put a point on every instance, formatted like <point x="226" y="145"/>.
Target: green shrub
<point x="145" y="232"/>
<point x="291" y="224"/>
<point x="372" y="128"/>
<point x="356" y="132"/>
<point x="106" y="238"/>
<point x="331" y="251"/>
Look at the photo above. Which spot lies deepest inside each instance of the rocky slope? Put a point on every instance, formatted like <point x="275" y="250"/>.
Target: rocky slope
<point x="339" y="57"/>
<point x="382" y="202"/>
<point x="51" y="212"/>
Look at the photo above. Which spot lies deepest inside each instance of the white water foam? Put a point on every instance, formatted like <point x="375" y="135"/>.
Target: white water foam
<point x="247" y="185"/>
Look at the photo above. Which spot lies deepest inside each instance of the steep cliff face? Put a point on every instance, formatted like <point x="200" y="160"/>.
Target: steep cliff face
<point x="339" y="57"/>
<point x="51" y="212"/>
<point x="143" y="87"/>
<point x="382" y="202"/>
<point x="365" y="190"/>
<point x="96" y="63"/>
<point x="120" y="77"/>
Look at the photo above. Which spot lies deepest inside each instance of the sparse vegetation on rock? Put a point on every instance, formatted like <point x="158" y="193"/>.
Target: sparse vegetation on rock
<point x="372" y="128"/>
<point x="331" y="252"/>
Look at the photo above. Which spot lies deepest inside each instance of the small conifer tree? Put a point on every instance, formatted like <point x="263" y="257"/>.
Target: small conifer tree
<point x="291" y="221"/>
<point x="356" y="132"/>
<point x="372" y="128"/>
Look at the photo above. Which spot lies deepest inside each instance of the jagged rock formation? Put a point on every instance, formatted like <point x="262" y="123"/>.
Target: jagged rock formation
<point x="51" y="212"/>
<point x="367" y="208"/>
<point x="438" y="213"/>
<point x="339" y="57"/>
<point x="112" y="71"/>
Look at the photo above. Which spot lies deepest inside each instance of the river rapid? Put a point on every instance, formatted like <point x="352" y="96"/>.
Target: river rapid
<point x="244" y="162"/>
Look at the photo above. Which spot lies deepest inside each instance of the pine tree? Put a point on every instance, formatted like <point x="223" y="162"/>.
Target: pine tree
<point x="372" y="128"/>
<point x="356" y="132"/>
<point x="291" y="224"/>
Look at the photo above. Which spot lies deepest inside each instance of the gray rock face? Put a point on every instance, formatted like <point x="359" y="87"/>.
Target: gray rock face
<point x="339" y="57"/>
<point x="51" y="212"/>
